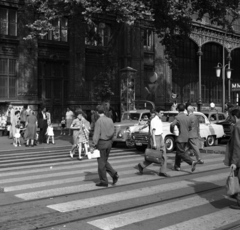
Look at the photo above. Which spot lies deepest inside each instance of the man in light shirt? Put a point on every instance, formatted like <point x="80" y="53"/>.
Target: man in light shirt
<point x="157" y="142"/>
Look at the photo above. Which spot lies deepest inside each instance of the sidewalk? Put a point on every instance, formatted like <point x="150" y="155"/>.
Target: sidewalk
<point x="60" y="141"/>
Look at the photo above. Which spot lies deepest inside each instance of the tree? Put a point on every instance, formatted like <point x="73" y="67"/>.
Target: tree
<point x="171" y="19"/>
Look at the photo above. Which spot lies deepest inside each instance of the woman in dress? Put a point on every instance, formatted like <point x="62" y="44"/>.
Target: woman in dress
<point x="79" y="134"/>
<point x="31" y="128"/>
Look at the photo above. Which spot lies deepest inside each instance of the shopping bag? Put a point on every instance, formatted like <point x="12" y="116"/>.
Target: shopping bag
<point x="232" y="184"/>
<point x="154" y="156"/>
<point x="93" y="154"/>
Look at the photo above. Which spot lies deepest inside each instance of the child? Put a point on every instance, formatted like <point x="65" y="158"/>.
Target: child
<point x="50" y="133"/>
<point x="63" y="125"/>
<point x="17" y="136"/>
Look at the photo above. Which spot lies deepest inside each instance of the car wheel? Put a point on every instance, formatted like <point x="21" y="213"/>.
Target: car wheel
<point x="169" y="143"/>
<point x="210" y="141"/>
<point x="140" y="148"/>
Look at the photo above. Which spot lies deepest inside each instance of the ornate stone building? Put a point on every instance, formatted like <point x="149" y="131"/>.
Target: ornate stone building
<point x="63" y="71"/>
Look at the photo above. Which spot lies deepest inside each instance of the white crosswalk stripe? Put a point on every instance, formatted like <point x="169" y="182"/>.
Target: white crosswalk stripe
<point x="49" y="179"/>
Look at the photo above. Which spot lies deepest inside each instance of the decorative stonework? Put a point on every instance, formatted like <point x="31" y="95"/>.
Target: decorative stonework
<point x="202" y="36"/>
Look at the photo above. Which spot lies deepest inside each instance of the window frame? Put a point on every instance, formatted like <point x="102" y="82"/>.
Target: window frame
<point x="9" y="24"/>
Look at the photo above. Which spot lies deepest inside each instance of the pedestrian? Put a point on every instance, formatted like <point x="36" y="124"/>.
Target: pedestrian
<point x="69" y="119"/>
<point x="80" y="139"/>
<point x="183" y="122"/>
<point x="48" y="114"/>
<point x="42" y="124"/>
<point x="234" y="154"/>
<point x="10" y="118"/>
<point x="50" y="133"/>
<point x="63" y="126"/>
<point x="15" y="121"/>
<point x="174" y="106"/>
<point x="17" y="136"/>
<point x="156" y="142"/>
<point x="31" y="129"/>
<point x="23" y="115"/>
<point x="102" y="140"/>
<point x="194" y="134"/>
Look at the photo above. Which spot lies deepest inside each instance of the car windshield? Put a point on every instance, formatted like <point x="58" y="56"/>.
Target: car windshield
<point x="131" y="116"/>
<point x="168" y="117"/>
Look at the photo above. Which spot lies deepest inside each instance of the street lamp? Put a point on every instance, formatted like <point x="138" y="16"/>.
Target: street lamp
<point x="229" y="72"/>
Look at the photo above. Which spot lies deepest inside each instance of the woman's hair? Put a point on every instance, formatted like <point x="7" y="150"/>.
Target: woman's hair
<point x="25" y="106"/>
<point x="17" y="112"/>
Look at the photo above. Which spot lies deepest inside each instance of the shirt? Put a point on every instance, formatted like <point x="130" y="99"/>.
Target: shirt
<point x="156" y="123"/>
<point x="69" y="115"/>
<point x="104" y="129"/>
<point x="44" y="116"/>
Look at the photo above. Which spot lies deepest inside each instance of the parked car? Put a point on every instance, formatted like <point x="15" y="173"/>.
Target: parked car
<point x="209" y="132"/>
<point x="129" y="118"/>
<point x="220" y="118"/>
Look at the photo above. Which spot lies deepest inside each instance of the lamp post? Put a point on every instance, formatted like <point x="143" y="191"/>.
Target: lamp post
<point x="218" y="73"/>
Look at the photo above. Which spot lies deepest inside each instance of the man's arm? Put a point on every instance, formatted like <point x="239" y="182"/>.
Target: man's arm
<point x="97" y="131"/>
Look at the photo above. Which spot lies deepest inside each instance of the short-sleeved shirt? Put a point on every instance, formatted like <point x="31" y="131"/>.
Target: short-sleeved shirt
<point x="69" y="115"/>
<point x="156" y="124"/>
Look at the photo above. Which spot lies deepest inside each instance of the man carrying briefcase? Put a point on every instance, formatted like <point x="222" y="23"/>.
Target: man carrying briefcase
<point x="156" y="142"/>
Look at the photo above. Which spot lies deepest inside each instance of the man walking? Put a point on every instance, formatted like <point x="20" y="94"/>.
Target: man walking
<point x="183" y="122"/>
<point x="157" y="142"/>
<point x="194" y="134"/>
<point x="102" y="139"/>
<point x="42" y="124"/>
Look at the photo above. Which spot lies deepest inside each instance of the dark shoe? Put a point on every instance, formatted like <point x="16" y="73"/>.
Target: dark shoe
<point x="140" y="169"/>
<point x="200" y="162"/>
<point x="27" y="145"/>
<point x="115" y="179"/>
<point x="164" y="174"/>
<point x="194" y="163"/>
<point x="236" y="206"/>
<point x="176" y="168"/>
<point x="101" y="184"/>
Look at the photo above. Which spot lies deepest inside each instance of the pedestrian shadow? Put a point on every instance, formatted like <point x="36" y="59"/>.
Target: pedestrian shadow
<point x="146" y="171"/>
<point x="90" y="176"/>
<point x="209" y="188"/>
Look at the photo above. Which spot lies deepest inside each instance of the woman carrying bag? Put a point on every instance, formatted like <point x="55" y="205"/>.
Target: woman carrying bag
<point x="233" y="158"/>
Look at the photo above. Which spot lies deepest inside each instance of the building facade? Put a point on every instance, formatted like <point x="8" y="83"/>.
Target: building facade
<point x="64" y="71"/>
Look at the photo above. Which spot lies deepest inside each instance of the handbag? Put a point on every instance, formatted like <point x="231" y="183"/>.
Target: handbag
<point x="232" y="184"/>
<point x="154" y="156"/>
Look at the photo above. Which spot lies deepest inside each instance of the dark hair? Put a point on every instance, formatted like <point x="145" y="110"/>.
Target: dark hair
<point x="17" y="112"/>
<point x="181" y="107"/>
<point x="158" y="109"/>
<point x="79" y="111"/>
<point x="25" y="106"/>
<point x="100" y="109"/>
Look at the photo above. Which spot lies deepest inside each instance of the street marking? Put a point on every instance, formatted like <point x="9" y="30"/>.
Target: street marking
<point x="209" y="221"/>
<point x="82" y="178"/>
<point x="126" y="195"/>
<point x="121" y="220"/>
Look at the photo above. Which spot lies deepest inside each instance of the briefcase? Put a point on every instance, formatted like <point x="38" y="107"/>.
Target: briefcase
<point x="154" y="156"/>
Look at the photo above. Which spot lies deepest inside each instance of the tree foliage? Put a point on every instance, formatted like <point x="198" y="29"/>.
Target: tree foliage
<point x="171" y="19"/>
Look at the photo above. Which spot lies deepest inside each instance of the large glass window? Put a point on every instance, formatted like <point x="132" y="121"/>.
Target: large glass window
<point x="7" y="78"/>
<point x="148" y="39"/>
<point x="8" y="22"/>
<point x="60" y="31"/>
<point x="103" y="31"/>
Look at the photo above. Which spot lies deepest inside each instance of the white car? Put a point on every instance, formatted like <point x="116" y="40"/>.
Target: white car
<point x="209" y="132"/>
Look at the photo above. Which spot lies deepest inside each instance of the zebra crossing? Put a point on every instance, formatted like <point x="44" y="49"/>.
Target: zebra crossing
<point x="137" y="201"/>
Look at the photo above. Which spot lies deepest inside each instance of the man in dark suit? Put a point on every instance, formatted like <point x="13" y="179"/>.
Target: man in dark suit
<point x="194" y="134"/>
<point x="183" y="122"/>
<point x="42" y="124"/>
<point x="102" y="139"/>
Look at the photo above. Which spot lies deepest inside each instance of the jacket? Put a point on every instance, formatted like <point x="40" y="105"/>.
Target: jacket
<point x="194" y="130"/>
<point x="183" y="122"/>
<point x="234" y="147"/>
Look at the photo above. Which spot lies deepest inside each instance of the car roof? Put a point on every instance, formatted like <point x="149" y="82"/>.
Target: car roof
<point x="138" y="111"/>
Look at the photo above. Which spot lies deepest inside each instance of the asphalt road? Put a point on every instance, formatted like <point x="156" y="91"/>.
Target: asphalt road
<point x="45" y="189"/>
